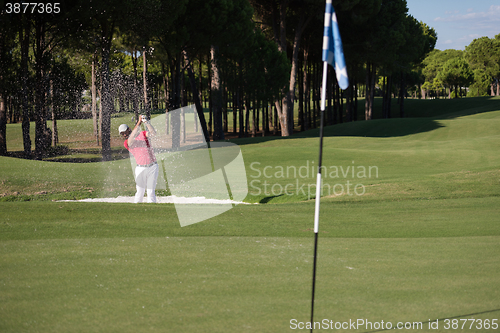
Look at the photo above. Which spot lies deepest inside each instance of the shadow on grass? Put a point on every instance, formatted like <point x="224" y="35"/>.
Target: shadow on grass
<point x="377" y="128"/>
<point x="268" y="199"/>
<point x="451" y="108"/>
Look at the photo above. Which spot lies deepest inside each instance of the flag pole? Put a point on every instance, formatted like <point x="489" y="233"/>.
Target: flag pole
<point x="318" y="186"/>
<point x="333" y="54"/>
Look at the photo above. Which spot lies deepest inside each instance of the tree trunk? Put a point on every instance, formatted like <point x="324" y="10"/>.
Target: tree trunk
<point x="106" y="98"/>
<point x="287" y="124"/>
<point x="95" y="124"/>
<point x="235" y="107"/>
<point x="166" y="96"/>
<point x="329" y="93"/>
<point x="210" y="102"/>
<point x="372" y="89"/>
<point x="280" y="37"/>
<point x="200" y="83"/>
<point x="247" y="115"/>
<point x="301" y="96"/>
<point x="224" y="112"/>
<point x="196" y="95"/>
<point x="389" y="96"/>
<point x="135" y="99"/>
<point x="265" y="118"/>
<point x="402" y="93"/>
<point x="341" y="109"/>
<point x="282" y="26"/>
<point x="371" y="71"/>
<point x="384" y="96"/>
<point x="303" y="85"/>
<point x="348" y="109"/>
<point x="355" y="84"/>
<point x="145" y="83"/>
<point x="254" y="120"/>
<point x="240" y="102"/>
<point x="40" y="120"/>
<point x="216" y="94"/>
<point x="183" y="125"/>
<point x="55" y="132"/>
<point x="3" y="109"/>
<point x="24" y="36"/>
<point x="99" y="115"/>
<point x="175" y="117"/>
<point x="3" y="123"/>
<point x="336" y="102"/>
<point x="368" y="114"/>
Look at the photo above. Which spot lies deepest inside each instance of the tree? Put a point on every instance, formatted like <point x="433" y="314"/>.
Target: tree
<point x="483" y="56"/>
<point x="456" y="73"/>
<point x="432" y="65"/>
<point x="419" y="41"/>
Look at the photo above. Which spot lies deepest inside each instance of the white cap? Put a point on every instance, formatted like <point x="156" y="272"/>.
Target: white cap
<point x="122" y="128"/>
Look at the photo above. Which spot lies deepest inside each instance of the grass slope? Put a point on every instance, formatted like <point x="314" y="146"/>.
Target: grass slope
<point x="420" y="244"/>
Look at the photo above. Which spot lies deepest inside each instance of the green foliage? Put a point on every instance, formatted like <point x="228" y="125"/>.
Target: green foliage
<point x="266" y="69"/>
<point x="477" y="67"/>
<point x="481" y="85"/>
<point x="483" y="56"/>
<point x="385" y="32"/>
<point x="456" y="73"/>
<point x="224" y="23"/>
<point x="67" y="85"/>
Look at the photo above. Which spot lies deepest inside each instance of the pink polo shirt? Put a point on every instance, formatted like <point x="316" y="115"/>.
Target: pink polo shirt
<point x="142" y="153"/>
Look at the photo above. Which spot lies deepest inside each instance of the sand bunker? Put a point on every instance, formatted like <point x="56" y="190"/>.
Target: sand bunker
<point x="170" y="199"/>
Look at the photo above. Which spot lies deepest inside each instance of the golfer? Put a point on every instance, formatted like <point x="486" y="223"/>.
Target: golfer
<point x="138" y="144"/>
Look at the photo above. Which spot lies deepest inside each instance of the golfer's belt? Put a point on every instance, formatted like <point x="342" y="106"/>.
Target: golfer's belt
<point x="147" y="165"/>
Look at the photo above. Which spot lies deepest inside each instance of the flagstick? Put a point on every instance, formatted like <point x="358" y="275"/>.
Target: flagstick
<point x="318" y="186"/>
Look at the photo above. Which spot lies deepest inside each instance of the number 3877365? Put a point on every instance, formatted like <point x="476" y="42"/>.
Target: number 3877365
<point x="32" y="7"/>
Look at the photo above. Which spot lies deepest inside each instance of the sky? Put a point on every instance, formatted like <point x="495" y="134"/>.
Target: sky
<point x="458" y="22"/>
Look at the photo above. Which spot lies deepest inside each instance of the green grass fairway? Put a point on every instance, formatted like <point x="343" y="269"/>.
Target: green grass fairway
<point x="243" y="284"/>
<point x="409" y="235"/>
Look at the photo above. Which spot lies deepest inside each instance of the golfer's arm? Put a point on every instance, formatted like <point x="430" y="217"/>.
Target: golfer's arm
<point x="134" y="133"/>
<point x="151" y="129"/>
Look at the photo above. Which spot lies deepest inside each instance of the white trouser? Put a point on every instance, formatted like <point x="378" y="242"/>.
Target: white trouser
<point x="145" y="178"/>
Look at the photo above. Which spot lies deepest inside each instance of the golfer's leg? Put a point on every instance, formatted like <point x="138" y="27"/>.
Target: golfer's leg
<point x="151" y="182"/>
<point x="139" y="194"/>
<point x="140" y="181"/>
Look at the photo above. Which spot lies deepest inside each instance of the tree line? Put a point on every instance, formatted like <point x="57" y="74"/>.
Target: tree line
<point x="257" y="59"/>
<point x="476" y="68"/>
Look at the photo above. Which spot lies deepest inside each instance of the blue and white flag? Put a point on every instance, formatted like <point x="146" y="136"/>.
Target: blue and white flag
<point x="333" y="52"/>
